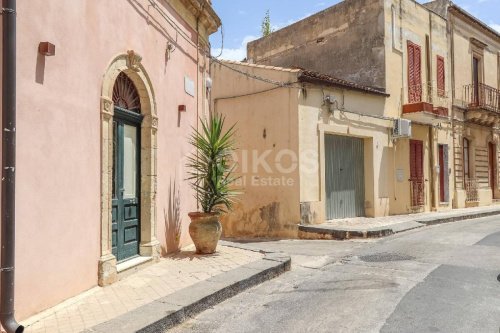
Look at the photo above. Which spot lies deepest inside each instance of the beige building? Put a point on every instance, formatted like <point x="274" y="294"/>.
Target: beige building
<point x="475" y="64"/>
<point x="287" y="121"/>
<point x="396" y="48"/>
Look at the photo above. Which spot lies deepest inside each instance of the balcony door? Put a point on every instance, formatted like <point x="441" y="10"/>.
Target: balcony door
<point x="475" y="79"/>
<point x="414" y="73"/>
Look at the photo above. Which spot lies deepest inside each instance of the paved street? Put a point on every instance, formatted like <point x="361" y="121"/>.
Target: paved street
<point x="435" y="279"/>
<point x="172" y="274"/>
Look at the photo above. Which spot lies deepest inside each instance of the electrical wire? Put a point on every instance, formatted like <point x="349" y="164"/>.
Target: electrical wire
<point x="259" y="78"/>
<point x="222" y="41"/>
<point x="174" y="25"/>
<point x="252" y="93"/>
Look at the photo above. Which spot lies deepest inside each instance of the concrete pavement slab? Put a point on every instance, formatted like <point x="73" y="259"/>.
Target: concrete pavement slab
<point x="173" y="309"/>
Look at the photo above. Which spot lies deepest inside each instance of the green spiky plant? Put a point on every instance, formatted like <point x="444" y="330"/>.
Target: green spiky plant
<point x="211" y="170"/>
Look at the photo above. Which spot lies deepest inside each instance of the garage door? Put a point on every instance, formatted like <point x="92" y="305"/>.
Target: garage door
<point x="344" y="177"/>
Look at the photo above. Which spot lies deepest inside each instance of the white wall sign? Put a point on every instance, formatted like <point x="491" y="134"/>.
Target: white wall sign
<point x="400" y="175"/>
<point x="189" y="86"/>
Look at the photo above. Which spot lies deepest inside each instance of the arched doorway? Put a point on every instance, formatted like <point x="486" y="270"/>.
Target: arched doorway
<point x="126" y="220"/>
<point x="128" y="165"/>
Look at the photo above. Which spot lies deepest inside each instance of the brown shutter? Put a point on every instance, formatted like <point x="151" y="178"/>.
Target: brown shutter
<point x="412" y="159"/>
<point x="419" y="159"/>
<point x="440" y="76"/>
<point x="411" y="57"/>
<point x="416" y="159"/>
<point x="418" y="73"/>
<point x="414" y="73"/>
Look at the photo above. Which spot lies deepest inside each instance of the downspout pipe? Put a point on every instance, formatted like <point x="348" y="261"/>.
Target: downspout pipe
<point x="8" y="210"/>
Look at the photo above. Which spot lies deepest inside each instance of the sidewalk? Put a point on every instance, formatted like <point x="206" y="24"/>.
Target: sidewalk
<point x="163" y="294"/>
<point x="365" y="227"/>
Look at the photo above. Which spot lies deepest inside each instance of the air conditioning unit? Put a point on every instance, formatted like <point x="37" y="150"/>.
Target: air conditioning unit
<point x="402" y="128"/>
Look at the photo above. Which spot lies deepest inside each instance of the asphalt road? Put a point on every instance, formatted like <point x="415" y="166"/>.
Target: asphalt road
<point x="435" y="279"/>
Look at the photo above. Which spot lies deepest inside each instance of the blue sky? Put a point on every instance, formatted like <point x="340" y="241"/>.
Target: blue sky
<point x="242" y="19"/>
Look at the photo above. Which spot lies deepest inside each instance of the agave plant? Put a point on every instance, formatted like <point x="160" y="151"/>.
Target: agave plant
<point x="211" y="170"/>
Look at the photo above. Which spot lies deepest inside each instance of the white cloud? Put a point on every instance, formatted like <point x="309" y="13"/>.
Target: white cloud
<point x="495" y="27"/>
<point x="237" y="54"/>
<point x="320" y="4"/>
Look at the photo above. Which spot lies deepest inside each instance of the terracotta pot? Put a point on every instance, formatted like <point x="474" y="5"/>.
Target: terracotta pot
<point x="205" y="230"/>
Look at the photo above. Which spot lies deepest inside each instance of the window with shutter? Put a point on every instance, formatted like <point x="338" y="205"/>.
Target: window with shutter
<point x="416" y="159"/>
<point x="414" y="73"/>
<point x="440" y="76"/>
<point x="418" y="73"/>
<point x="417" y="183"/>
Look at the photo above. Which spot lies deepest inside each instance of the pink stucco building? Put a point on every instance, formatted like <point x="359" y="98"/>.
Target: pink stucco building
<point x="102" y="131"/>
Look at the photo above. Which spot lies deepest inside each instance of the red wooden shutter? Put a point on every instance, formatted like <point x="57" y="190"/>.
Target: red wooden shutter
<point x="419" y="159"/>
<point x="411" y="75"/>
<point x="441" y="174"/>
<point x="440" y="76"/>
<point x="418" y="73"/>
<point x="416" y="159"/>
<point x="412" y="160"/>
<point x="414" y="73"/>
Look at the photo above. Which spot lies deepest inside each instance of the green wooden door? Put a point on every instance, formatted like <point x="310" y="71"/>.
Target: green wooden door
<point x="126" y="182"/>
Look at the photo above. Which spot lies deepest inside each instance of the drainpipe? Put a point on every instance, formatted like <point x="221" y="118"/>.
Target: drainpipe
<point x="7" y="319"/>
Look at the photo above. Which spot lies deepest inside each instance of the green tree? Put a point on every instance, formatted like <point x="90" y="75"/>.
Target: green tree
<point x="266" y="25"/>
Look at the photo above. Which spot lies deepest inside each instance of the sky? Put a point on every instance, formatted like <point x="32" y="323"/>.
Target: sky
<point x="241" y="20"/>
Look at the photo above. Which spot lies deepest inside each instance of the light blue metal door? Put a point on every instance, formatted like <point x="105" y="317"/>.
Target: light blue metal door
<point x="344" y="177"/>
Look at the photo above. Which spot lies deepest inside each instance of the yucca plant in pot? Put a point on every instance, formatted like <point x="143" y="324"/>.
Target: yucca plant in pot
<point x="211" y="175"/>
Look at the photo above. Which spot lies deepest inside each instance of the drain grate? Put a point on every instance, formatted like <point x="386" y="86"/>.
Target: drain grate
<point x="386" y="257"/>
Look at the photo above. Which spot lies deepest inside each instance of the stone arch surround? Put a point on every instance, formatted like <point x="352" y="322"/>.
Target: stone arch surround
<point x="130" y="64"/>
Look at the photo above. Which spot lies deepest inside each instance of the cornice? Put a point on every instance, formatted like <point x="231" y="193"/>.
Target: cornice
<point x="203" y="9"/>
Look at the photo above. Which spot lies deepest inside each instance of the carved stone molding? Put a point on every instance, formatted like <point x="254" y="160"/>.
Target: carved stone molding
<point x="494" y="138"/>
<point x="151" y="121"/>
<point x="154" y="122"/>
<point x="133" y="60"/>
<point x="107" y="107"/>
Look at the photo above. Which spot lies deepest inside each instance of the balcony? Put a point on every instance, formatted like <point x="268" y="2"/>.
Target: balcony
<point x="483" y="104"/>
<point x="424" y="106"/>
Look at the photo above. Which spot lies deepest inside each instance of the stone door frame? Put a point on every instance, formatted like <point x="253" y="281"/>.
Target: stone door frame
<point x="130" y="64"/>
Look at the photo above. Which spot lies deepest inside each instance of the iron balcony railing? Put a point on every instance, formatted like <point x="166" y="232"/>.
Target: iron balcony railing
<point x="417" y="192"/>
<point x="471" y="186"/>
<point x="482" y="96"/>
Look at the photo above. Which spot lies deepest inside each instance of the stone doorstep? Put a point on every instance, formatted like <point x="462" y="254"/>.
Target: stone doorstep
<point x="173" y="309"/>
<point x="330" y="232"/>
<point x="132" y="266"/>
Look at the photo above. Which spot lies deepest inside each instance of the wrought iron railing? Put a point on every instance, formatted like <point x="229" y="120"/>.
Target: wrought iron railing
<point x="417" y="192"/>
<point x="471" y="186"/>
<point x="417" y="93"/>
<point x="482" y="96"/>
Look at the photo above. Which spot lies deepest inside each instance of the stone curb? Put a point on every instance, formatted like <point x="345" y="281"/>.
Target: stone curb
<point x="316" y="232"/>
<point x="458" y="217"/>
<point x="169" y="311"/>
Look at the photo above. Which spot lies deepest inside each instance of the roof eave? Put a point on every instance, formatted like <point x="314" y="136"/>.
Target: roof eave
<point x="302" y="77"/>
<point x="481" y="24"/>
